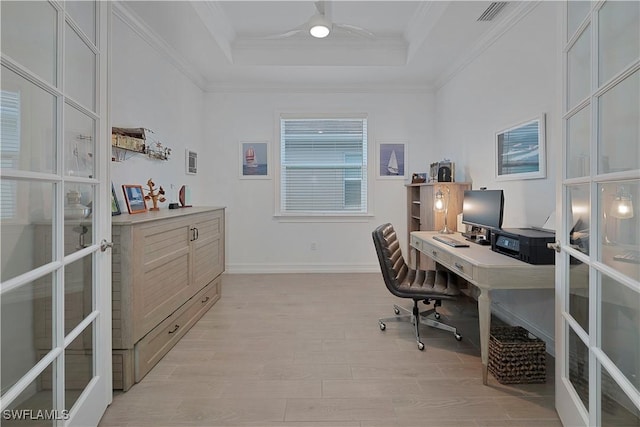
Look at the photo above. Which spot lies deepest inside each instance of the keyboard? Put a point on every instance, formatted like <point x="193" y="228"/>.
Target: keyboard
<point x="630" y="256"/>
<point x="451" y="242"/>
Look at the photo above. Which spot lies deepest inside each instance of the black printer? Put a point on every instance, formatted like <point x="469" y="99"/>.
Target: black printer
<point x="526" y="244"/>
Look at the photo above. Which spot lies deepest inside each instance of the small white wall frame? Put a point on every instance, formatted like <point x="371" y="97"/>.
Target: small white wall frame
<point x="191" y="162"/>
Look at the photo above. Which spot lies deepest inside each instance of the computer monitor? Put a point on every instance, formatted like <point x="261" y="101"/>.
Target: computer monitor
<point x="483" y="208"/>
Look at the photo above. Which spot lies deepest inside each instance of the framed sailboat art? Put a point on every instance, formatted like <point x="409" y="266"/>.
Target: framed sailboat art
<point x="392" y="160"/>
<point x="254" y="160"/>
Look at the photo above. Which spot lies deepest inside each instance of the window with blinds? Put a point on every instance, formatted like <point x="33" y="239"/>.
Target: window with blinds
<point x="10" y="149"/>
<point x="323" y="166"/>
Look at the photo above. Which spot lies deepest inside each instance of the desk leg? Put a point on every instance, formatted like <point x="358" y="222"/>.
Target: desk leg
<point x="484" y="317"/>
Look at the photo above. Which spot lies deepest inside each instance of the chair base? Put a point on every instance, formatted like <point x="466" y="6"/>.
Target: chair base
<point x="410" y="316"/>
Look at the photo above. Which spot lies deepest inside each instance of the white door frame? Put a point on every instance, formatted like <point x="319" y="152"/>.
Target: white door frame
<point x="97" y="394"/>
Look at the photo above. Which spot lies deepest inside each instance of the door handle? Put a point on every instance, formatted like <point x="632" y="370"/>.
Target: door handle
<point x="104" y="245"/>
<point x="555" y="246"/>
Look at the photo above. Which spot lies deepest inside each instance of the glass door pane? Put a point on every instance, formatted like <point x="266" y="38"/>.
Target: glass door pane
<point x="29" y="30"/>
<point x="28" y="125"/>
<point x="619" y="123"/>
<point x="578" y="68"/>
<point x="618" y="37"/>
<point x="80" y="70"/>
<point x="27" y="226"/>
<point x="578" y="144"/>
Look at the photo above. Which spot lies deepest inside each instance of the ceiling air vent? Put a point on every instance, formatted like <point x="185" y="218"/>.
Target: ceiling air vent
<point x="493" y="9"/>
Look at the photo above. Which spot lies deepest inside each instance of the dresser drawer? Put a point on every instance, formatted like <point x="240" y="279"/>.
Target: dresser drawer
<point x="152" y="348"/>
<point x="461" y="267"/>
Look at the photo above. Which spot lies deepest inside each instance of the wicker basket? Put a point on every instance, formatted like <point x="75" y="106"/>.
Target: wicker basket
<point x="516" y="357"/>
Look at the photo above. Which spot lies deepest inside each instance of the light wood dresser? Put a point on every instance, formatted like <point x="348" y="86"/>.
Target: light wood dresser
<point x="166" y="275"/>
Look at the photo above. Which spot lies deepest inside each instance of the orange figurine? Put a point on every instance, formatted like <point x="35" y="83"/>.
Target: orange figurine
<point x="153" y="196"/>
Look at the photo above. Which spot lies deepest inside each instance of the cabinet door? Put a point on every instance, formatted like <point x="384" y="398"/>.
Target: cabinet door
<point x="161" y="276"/>
<point x="208" y="250"/>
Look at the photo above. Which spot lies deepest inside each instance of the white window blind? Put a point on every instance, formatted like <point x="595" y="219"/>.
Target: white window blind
<point x="10" y="149"/>
<point x="323" y="166"/>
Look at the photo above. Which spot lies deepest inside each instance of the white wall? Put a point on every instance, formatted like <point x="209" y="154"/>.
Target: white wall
<point x="258" y="242"/>
<point x="513" y="80"/>
<point x="149" y="91"/>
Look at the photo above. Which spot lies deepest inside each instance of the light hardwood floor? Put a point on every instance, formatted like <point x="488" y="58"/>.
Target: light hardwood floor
<point x="302" y="350"/>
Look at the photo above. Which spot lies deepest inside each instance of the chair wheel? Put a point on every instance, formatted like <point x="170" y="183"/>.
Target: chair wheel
<point x="420" y="346"/>
<point x="382" y="326"/>
<point x="458" y="337"/>
<point x="437" y="316"/>
<point x="395" y="310"/>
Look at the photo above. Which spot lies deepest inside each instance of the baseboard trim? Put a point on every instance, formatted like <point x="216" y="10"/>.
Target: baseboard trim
<point x="300" y="268"/>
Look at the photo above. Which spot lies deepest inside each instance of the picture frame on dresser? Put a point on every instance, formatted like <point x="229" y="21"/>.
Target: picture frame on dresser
<point x="134" y="197"/>
<point x="115" y="205"/>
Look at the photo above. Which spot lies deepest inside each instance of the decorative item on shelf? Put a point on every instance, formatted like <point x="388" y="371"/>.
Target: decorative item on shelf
<point x="441" y="204"/>
<point x="418" y="178"/>
<point x="128" y="141"/>
<point x="158" y="152"/>
<point x="173" y="197"/>
<point x="442" y="171"/>
<point x="185" y="197"/>
<point x="74" y="209"/>
<point x="154" y="195"/>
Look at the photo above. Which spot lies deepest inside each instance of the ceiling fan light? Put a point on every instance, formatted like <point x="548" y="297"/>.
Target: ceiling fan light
<point x="319" y="27"/>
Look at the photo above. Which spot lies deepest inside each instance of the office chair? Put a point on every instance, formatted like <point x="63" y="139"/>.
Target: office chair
<point x="418" y="285"/>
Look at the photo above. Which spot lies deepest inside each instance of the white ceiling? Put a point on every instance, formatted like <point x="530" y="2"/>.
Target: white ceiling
<point x="229" y="44"/>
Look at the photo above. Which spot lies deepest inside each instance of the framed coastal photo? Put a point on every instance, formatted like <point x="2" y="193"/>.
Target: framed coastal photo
<point x="392" y="160"/>
<point x="254" y="160"/>
<point x="520" y="150"/>
<point x="115" y="205"/>
<point x="134" y="197"/>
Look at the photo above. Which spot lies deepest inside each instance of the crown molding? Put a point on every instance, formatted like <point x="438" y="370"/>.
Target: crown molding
<point x="388" y="51"/>
<point x="133" y="21"/>
<point x="521" y="10"/>
<point x="318" y="88"/>
<point x="217" y="23"/>
<point x="427" y="15"/>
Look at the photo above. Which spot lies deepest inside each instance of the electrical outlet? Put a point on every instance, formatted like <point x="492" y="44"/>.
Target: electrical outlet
<point x="314" y="246"/>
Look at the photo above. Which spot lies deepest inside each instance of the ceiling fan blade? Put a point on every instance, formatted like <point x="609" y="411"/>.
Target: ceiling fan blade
<point x="286" y="34"/>
<point x="352" y="29"/>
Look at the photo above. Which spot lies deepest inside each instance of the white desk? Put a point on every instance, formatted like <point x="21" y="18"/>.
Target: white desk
<point x="487" y="270"/>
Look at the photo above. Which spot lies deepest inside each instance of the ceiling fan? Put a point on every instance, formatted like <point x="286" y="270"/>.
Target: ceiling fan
<point x="321" y="25"/>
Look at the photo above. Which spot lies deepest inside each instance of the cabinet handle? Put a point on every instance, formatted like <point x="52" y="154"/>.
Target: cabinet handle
<point x="435" y="253"/>
<point x="205" y="300"/>
<point x="197" y="233"/>
<point x="175" y="328"/>
<point x="459" y="266"/>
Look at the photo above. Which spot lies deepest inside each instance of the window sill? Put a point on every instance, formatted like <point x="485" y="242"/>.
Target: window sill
<point x="327" y="217"/>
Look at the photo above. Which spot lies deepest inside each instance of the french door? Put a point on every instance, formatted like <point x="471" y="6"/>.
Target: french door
<point x="55" y="277"/>
<point x="598" y="274"/>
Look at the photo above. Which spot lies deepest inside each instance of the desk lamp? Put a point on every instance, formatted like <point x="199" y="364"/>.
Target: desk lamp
<point x="622" y="206"/>
<point x="441" y="204"/>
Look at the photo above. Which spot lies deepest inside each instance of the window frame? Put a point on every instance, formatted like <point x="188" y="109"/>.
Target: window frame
<point x="322" y="216"/>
